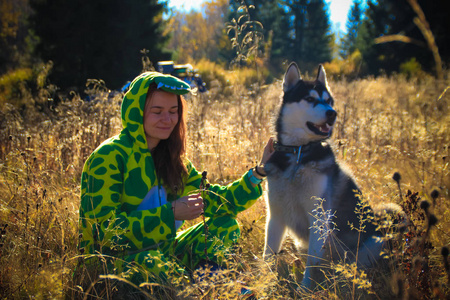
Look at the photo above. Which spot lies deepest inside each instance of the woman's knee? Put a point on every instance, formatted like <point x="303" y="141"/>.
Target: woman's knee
<point x="224" y="228"/>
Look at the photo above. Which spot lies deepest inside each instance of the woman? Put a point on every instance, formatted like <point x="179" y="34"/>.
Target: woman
<point x="137" y="188"/>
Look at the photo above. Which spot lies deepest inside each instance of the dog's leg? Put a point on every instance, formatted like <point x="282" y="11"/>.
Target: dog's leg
<point x="316" y="256"/>
<point x="275" y="232"/>
<point x="369" y="252"/>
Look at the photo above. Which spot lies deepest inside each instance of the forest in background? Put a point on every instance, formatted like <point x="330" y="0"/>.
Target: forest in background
<point x="65" y="43"/>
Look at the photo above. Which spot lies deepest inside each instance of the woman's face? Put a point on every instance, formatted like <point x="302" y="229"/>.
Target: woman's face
<point x="160" y="117"/>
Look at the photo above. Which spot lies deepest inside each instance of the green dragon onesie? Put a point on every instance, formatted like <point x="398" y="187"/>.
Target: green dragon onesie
<point x="117" y="177"/>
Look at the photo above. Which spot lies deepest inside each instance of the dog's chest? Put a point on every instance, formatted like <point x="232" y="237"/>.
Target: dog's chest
<point x="297" y="186"/>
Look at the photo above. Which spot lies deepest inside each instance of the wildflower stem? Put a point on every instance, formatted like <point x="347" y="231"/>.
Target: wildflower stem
<point x="203" y="187"/>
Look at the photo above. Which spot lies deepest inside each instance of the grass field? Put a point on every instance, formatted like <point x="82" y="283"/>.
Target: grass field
<point x="385" y="125"/>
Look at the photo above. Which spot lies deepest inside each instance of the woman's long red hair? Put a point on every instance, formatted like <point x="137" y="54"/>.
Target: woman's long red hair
<point x="168" y="155"/>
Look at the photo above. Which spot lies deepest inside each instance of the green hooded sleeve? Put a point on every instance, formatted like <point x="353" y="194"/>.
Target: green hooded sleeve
<point x="224" y="200"/>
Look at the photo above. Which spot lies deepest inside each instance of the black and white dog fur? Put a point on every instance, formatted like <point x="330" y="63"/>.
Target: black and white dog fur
<point x="302" y="170"/>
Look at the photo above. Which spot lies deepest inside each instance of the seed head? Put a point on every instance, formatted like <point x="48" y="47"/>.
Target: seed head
<point x="397" y="177"/>
<point x="417" y="262"/>
<point x="398" y="285"/>
<point x="424" y="205"/>
<point x="432" y="220"/>
<point x="434" y="194"/>
<point x="402" y="228"/>
<point x="445" y="252"/>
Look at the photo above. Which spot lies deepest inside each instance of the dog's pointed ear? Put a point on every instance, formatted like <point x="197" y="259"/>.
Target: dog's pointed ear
<point x="291" y="77"/>
<point x="322" y="76"/>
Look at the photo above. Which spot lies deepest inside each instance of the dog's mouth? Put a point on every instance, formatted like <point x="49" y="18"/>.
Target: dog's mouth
<point x="323" y="129"/>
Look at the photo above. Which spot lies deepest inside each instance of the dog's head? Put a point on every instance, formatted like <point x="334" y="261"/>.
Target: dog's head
<point x="306" y="113"/>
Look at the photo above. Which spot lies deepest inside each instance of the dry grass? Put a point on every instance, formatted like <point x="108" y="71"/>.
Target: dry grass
<point x="385" y="125"/>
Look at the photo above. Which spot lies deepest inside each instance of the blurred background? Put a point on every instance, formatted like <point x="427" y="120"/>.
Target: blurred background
<point x="65" y="43"/>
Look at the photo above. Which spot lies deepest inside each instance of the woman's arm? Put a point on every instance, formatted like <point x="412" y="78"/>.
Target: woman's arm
<point x="231" y="199"/>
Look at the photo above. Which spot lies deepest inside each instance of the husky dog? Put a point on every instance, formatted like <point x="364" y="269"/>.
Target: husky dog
<point x="303" y="170"/>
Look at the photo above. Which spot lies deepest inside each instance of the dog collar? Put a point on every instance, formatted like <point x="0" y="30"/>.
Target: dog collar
<point x="300" y="151"/>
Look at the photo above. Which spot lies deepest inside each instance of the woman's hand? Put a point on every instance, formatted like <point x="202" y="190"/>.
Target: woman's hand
<point x="188" y="207"/>
<point x="268" y="151"/>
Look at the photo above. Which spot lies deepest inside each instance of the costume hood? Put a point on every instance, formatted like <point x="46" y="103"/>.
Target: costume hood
<point x="134" y="101"/>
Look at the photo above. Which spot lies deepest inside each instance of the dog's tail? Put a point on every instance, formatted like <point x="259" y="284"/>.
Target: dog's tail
<point x="392" y="210"/>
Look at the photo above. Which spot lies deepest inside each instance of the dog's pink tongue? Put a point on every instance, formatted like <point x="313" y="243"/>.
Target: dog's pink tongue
<point x="324" y="128"/>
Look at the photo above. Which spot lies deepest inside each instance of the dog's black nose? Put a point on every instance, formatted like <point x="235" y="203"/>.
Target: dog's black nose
<point x="331" y="115"/>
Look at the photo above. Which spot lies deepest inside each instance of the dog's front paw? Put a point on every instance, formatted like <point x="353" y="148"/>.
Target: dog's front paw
<point x="269" y="254"/>
<point x="306" y="281"/>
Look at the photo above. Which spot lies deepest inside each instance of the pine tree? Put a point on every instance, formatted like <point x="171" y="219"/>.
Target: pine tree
<point x="380" y="17"/>
<point x="310" y="33"/>
<point x="318" y="36"/>
<point x="15" y="43"/>
<point x="353" y="26"/>
<point x="297" y="13"/>
<point x="300" y="29"/>
<point x="276" y="28"/>
<point x="98" y="39"/>
<point x="396" y="17"/>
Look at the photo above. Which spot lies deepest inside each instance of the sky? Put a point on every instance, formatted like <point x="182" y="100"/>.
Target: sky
<point x="338" y="9"/>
